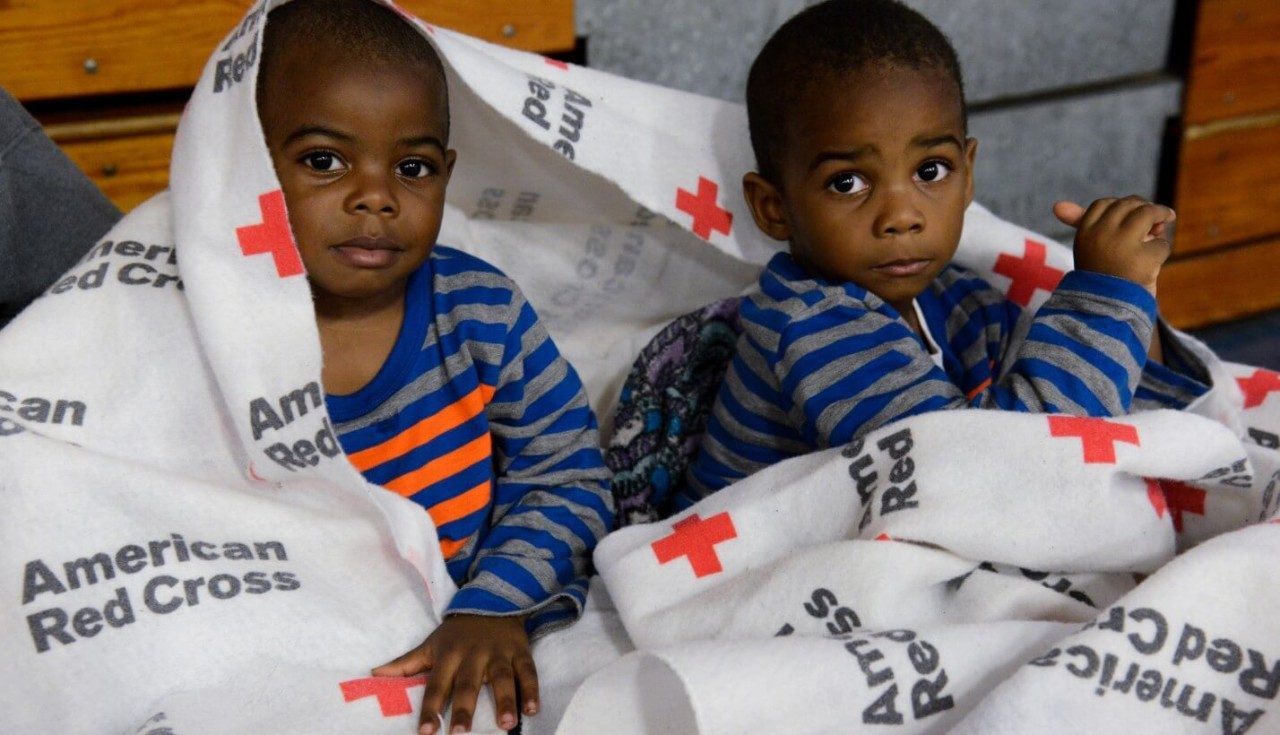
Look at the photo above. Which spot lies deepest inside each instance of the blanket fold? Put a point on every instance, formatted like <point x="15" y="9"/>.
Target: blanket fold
<point x="187" y="547"/>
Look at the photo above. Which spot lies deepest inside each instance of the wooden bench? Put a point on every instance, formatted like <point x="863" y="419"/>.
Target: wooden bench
<point x="108" y="78"/>
<point x="1226" y="261"/>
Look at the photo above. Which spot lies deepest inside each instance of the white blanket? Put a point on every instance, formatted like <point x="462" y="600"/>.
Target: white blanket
<point x="165" y="565"/>
<point x="898" y="581"/>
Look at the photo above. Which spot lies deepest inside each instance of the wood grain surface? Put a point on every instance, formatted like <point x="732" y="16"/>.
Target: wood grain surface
<point x="1235" y="67"/>
<point x="66" y="48"/>
<point x="1228" y="187"/>
<point x="128" y="168"/>
<point x="1221" y="285"/>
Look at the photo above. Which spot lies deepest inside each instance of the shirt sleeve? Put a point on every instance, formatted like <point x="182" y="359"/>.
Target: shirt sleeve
<point x="1082" y="353"/>
<point x="552" y="502"/>
<point x="1177" y="383"/>
<point x="849" y="367"/>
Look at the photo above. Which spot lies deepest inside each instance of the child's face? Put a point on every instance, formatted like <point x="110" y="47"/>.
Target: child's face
<point x="360" y="150"/>
<point x="876" y="172"/>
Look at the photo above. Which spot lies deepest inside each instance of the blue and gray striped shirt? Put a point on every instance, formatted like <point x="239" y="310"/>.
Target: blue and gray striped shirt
<point x="821" y="362"/>
<point x="477" y="417"/>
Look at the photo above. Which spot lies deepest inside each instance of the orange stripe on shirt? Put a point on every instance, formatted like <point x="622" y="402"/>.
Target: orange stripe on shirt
<point x="981" y="387"/>
<point x="991" y="366"/>
<point x="460" y="506"/>
<point x="449" y="547"/>
<point x="447" y="418"/>
<point x="442" y="468"/>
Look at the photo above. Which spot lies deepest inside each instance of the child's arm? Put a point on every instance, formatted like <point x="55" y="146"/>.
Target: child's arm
<point x="1122" y="238"/>
<point x="849" y="367"/>
<point x="1127" y="238"/>
<point x="551" y="505"/>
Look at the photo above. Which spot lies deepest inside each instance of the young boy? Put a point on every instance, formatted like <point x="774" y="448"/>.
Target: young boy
<point x="858" y="122"/>
<point x="442" y="383"/>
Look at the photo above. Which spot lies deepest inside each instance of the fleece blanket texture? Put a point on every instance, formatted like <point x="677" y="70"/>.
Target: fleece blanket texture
<point x="187" y="550"/>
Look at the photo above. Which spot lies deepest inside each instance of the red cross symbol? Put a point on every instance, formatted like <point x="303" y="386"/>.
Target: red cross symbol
<point x="1098" y="436"/>
<point x="1256" y="387"/>
<point x="696" y="538"/>
<point x="1155" y="496"/>
<point x="391" y="691"/>
<point x="1028" y="273"/>
<point x="272" y="236"/>
<point x="1177" y="498"/>
<point x="707" y="215"/>
<point x="561" y="65"/>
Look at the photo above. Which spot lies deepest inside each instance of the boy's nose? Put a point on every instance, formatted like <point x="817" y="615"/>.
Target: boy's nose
<point x="898" y="215"/>
<point x="373" y="194"/>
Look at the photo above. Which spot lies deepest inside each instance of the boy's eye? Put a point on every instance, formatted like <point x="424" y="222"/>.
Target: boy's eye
<point x="846" y="183"/>
<point x="322" y="161"/>
<point x="413" y="169"/>
<point x="933" y="171"/>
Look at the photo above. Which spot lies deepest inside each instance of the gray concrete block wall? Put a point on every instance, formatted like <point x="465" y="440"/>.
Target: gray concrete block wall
<point x="1080" y="148"/>
<point x="1066" y="97"/>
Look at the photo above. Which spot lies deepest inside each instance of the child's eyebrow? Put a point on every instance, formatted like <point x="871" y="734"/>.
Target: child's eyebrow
<point x="938" y="140"/>
<point x="849" y="155"/>
<point x="422" y="140"/>
<point x="408" y="142"/>
<point x="317" y="130"/>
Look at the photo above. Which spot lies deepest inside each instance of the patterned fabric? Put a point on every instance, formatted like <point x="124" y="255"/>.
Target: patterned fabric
<point x="821" y="363"/>
<point x="477" y="417"/>
<point x="664" y="408"/>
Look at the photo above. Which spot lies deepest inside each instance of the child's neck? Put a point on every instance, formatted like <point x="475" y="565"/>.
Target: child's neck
<point x="356" y="338"/>
<point x="907" y="310"/>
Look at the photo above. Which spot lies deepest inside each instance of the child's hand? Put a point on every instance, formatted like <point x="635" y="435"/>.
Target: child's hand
<point x="1120" y="237"/>
<point x="462" y="654"/>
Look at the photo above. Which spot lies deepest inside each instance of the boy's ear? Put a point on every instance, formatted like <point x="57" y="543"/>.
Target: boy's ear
<point x="970" y="154"/>
<point x="450" y="158"/>
<point x="766" y="205"/>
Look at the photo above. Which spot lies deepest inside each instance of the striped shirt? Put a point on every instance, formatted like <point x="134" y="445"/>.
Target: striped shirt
<point x="476" y="417"/>
<point x="820" y="363"/>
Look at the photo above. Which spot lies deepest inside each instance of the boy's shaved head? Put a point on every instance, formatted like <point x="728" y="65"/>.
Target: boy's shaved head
<point x="365" y="30"/>
<point x="830" y="40"/>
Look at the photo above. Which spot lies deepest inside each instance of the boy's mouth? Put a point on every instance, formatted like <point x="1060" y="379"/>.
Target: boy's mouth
<point x="904" y="268"/>
<point x="368" y="252"/>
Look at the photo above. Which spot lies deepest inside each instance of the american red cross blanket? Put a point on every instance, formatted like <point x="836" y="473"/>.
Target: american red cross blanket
<point x="982" y="571"/>
<point x="186" y="549"/>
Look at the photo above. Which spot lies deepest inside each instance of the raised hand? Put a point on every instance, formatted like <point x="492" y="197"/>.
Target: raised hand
<point x="1120" y="237"/>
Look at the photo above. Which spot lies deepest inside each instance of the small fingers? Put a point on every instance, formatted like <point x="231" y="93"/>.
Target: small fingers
<point x="412" y="663"/>
<point x="1117" y="210"/>
<point x="466" y="689"/>
<point x="439" y="686"/>
<point x="527" y="681"/>
<point x="1068" y="213"/>
<point x="1142" y="221"/>
<point x="1096" y="211"/>
<point x="502" y="680"/>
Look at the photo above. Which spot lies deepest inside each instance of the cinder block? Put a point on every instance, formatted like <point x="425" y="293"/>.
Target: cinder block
<point x="1007" y="47"/>
<point x="1079" y="148"/>
<point x="1018" y="47"/>
<point x="703" y="46"/>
